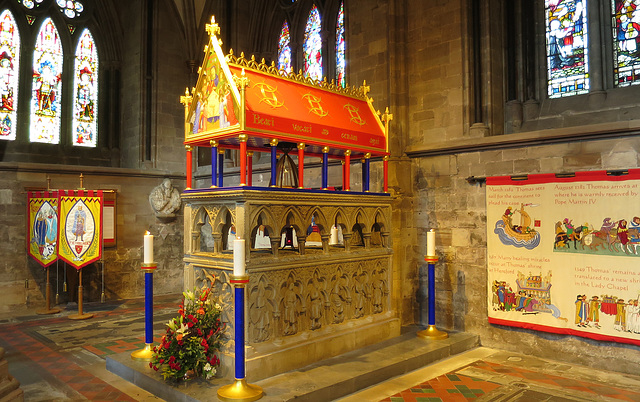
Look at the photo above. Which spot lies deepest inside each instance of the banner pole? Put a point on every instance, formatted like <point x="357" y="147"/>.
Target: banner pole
<point x="80" y="315"/>
<point x="57" y="283"/>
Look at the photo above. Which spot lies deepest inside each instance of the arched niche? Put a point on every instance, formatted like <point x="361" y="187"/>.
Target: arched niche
<point x="262" y="231"/>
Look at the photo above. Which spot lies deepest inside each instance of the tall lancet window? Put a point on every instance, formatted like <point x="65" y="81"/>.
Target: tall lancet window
<point x="626" y="42"/>
<point x="284" y="49"/>
<point x="85" y="110"/>
<point x="9" y="74"/>
<point x="47" y="85"/>
<point x="567" y="54"/>
<point x="312" y="47"/>
<point x="341" y="63"/>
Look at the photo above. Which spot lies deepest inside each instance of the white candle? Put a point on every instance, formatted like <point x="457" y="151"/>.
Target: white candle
<point x="334" y="235"/>
<point x="148" y="248"/>
<point x="238" y="257"/>
<point x="431" y="243"/>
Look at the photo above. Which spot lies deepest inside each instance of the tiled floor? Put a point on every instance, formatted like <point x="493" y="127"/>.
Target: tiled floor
<point x="56" y="358"/>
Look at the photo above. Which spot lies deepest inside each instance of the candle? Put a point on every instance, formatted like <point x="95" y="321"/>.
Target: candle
<point x="148" y="248"/>
<point x="334" y="235"/>
<point x="431" y="243"/>
<point x="238" y="257"/>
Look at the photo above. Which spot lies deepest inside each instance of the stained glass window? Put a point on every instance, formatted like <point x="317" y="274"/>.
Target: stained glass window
<point x="567" y="55"/>
<point x="626" y="42"/>
<point x="70" y="8"/>
<point x="312" y="47"/>
<point x="30" y="4"/>
<point x="284" y="49"/>
<point x="47" y="85"/>
<point x="340" y="60"/>
<point x="9" y="74"/>
<point x="85" y="84"/>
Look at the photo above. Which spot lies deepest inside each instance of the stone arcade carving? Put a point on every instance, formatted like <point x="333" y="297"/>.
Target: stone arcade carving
<point x="301" y="295"/>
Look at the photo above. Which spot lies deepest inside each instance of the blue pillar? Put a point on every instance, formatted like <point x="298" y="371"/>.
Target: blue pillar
<point x="274" y="161"/>
<point x="148" y="307"/>
<point x="365" y="173"/>
<point x="432" y="293"/>
<point x="214" y="163"/>
<point x="221" y="168"/>
<point x="325" y="167"/>
<point x="239" y="330"/>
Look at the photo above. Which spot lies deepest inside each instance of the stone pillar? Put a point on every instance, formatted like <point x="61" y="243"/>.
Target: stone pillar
<point x="366" y="236"/>
<point x="301" y="241"/>
<point x="346" y="238"/>
<point x="217" y="242"/>
<point x="325" y="243"/>
<point x="275" y="245"/>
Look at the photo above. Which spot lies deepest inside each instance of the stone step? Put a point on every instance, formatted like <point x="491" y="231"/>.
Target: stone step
<point x="322" y="381"/>
<point x="10" y="390"/>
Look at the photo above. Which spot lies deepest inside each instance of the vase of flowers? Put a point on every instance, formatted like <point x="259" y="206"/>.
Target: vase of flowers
<point x="188" y="348"/>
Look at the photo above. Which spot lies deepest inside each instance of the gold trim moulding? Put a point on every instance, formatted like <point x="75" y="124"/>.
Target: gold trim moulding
<point x="431" y="258"/>
<point x="149" y="265"/>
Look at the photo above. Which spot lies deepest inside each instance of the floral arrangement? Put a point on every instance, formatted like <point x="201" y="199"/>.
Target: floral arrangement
<point x="188" y="348"/>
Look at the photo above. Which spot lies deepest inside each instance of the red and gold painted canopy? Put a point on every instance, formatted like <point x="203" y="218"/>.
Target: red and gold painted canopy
<point x="236" y="96"/>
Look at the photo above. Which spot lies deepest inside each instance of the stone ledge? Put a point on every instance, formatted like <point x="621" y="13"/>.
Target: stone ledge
<point x="325" y="380"/>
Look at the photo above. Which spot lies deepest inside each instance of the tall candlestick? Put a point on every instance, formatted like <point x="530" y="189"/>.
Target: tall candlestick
<point x="431" y="243"/>
<point x="238" y="257"/>
<point x="148" y="248"/>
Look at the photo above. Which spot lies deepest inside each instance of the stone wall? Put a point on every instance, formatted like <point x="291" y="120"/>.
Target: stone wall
<point x="444" y="155"/>
<point x="23" y="280"/>
<point x="458" y="210"/>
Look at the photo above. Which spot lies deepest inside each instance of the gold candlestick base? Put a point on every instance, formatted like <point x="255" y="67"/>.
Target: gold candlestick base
<point x="240" y="391"/>
<point x="145" y="354"/>
<point x="432" y="333"/>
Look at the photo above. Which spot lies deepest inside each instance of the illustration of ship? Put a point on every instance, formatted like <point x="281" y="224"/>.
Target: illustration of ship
<point x="522" y="231"/>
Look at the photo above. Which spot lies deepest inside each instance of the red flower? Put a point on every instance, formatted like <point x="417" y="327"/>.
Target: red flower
<point x="201" y="311"/>
<point x="150" y="365"/>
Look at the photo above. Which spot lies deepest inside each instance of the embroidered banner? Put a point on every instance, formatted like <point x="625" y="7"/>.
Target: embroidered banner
<point x="42" y="234"/>
<point x="80" y="231"/>
<point x="563" y="254"/>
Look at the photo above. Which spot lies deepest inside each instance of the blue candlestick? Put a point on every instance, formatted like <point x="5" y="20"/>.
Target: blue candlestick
<point x="432" y="332"/>
<point x="146" y="353"/>
<point x="148" y="306"/>
<point x="239" y="335"/>
<point x="239" y="390"/>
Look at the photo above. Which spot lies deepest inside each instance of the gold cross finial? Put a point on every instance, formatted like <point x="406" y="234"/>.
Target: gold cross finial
<point x="242" y="81"/>
<point x="386" y="117"/>
<point x="213" y="28"/>
<point x="186" y="98"/>
<point x="365" y="88"/>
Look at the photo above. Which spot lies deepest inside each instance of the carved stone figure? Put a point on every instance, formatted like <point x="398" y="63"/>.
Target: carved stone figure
<point x="165" y="200"/>
<point x="290" y="311"/>
<point x="259" y="314"/>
